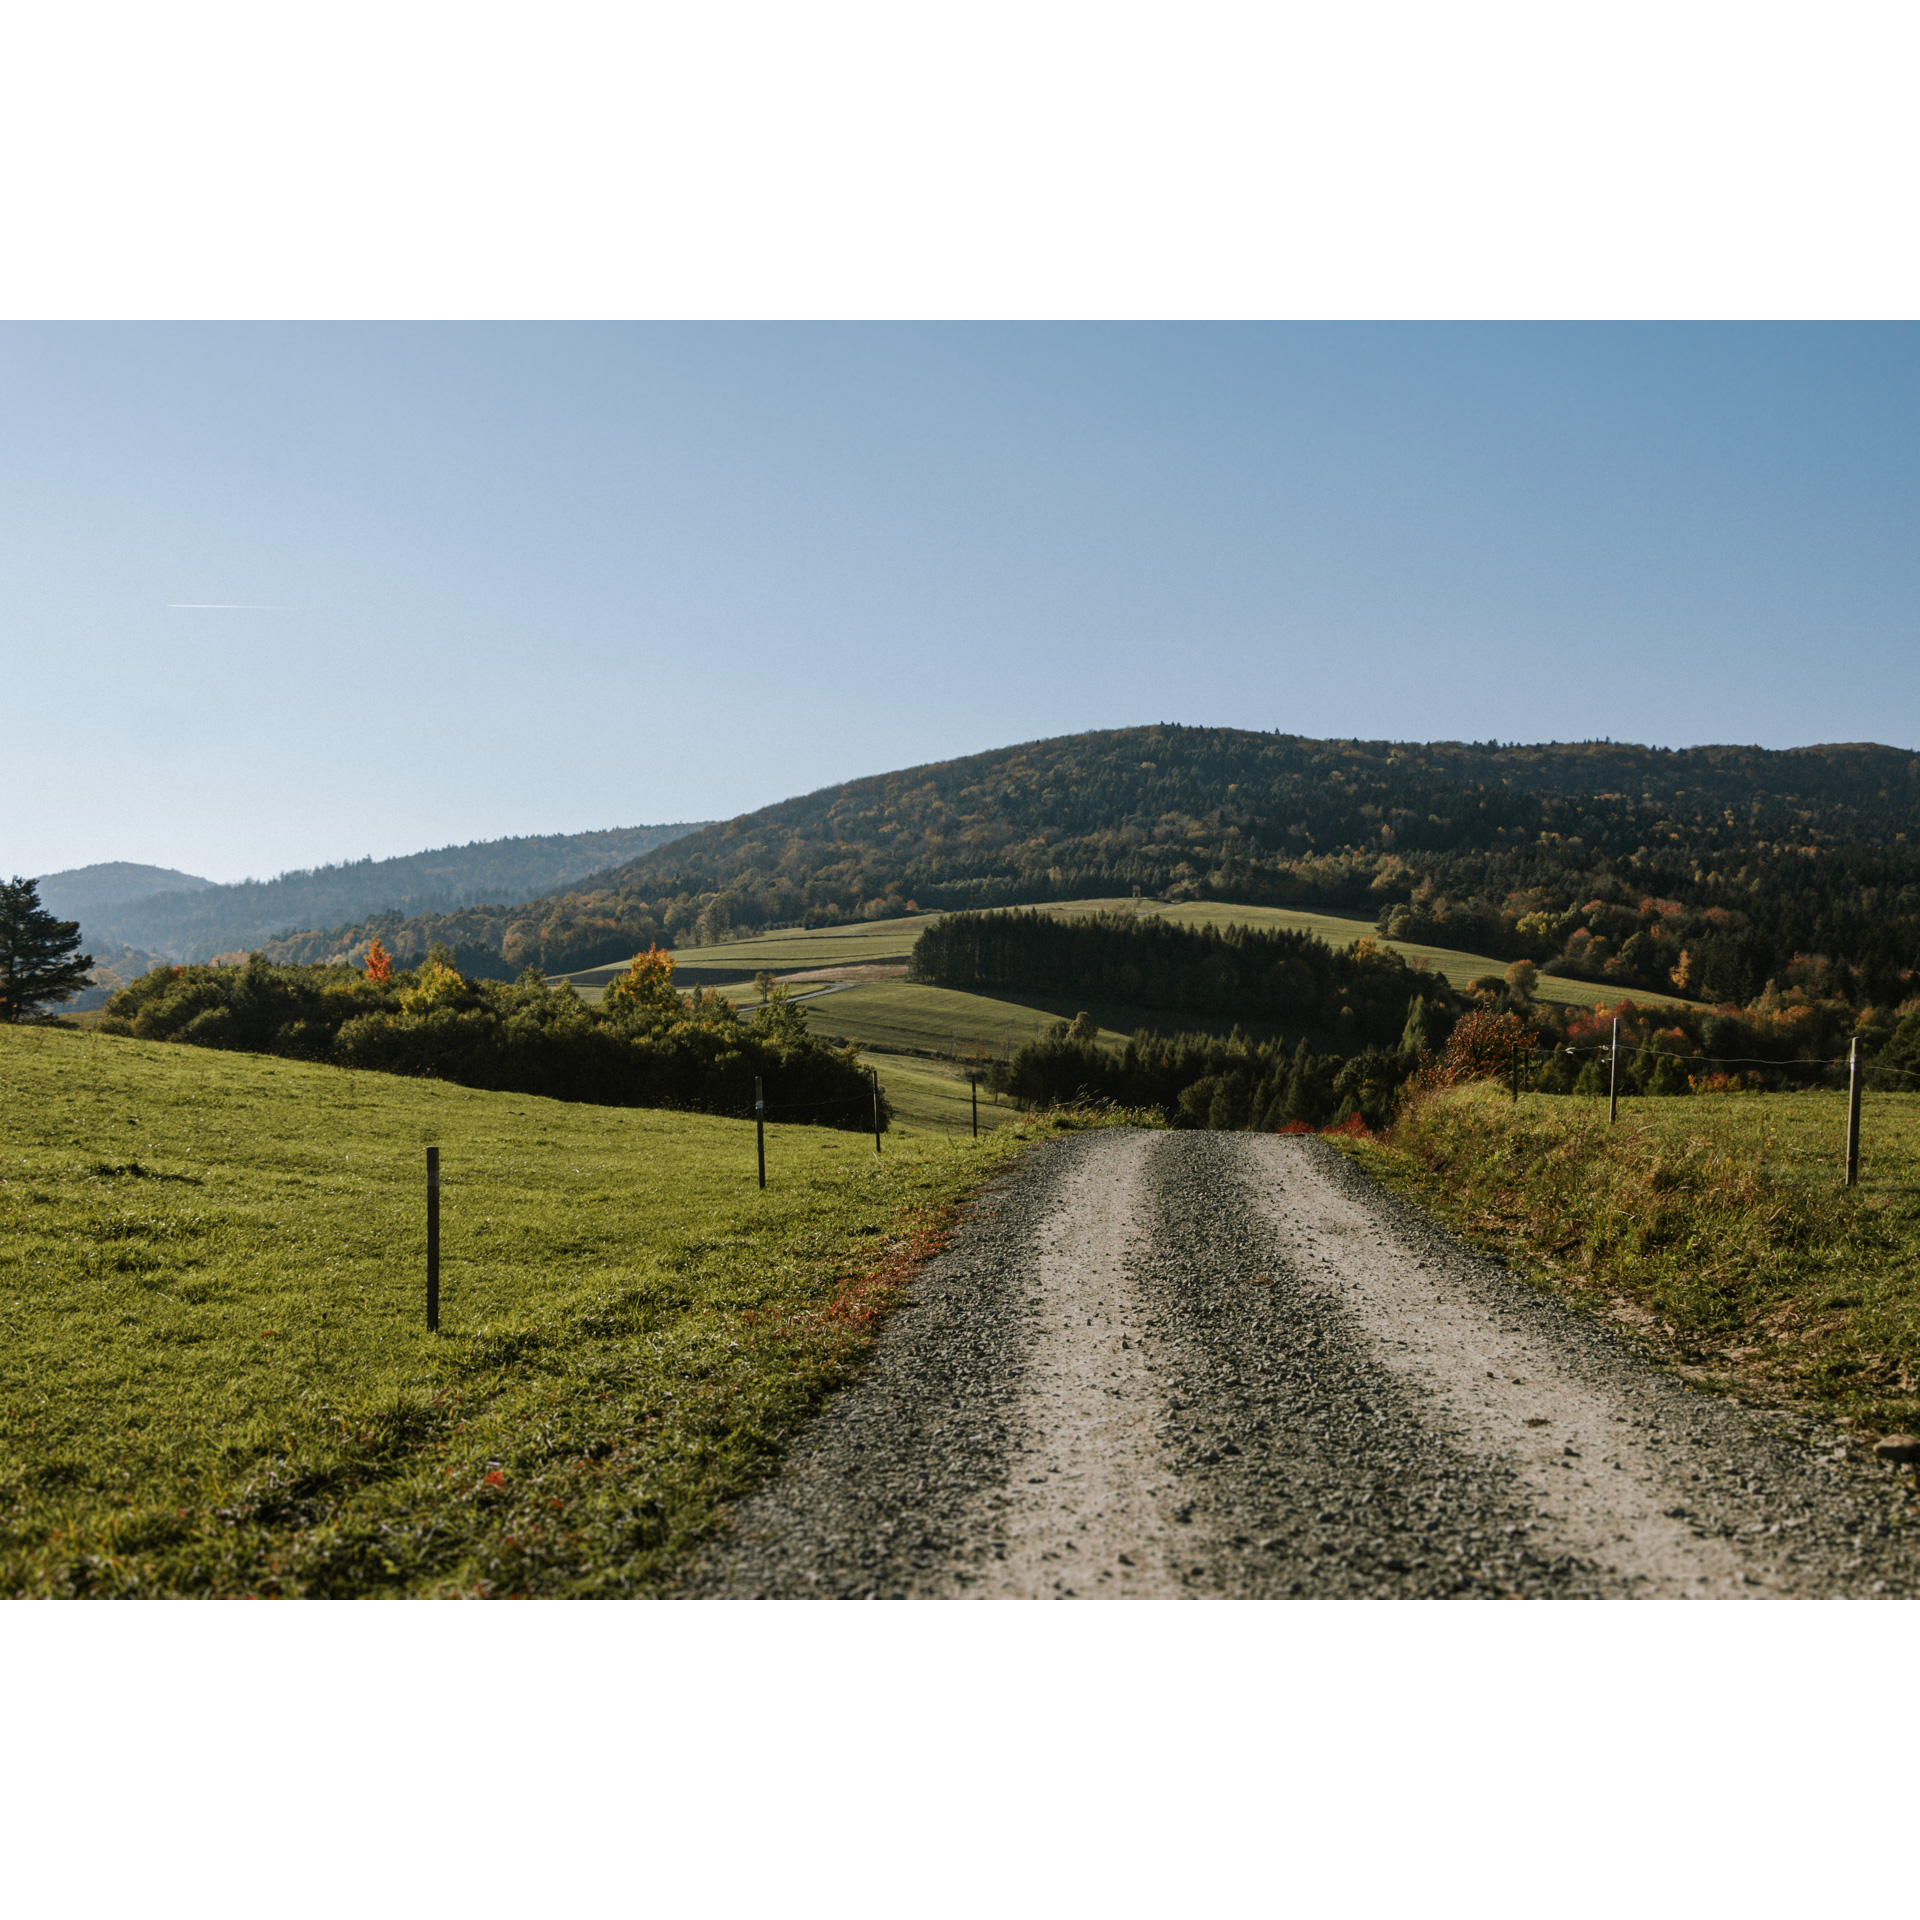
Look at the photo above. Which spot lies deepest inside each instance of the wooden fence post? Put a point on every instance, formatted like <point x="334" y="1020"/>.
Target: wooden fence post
<point x="973" y="1080"/>
<point x="433" y="1239"/>
<point x="1613" y="1079"/>
<point x="1853" y="1113"/>
<point x="874" y="1072"/>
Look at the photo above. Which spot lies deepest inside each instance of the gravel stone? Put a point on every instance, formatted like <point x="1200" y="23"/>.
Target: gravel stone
<point x="1165" y="1365"/>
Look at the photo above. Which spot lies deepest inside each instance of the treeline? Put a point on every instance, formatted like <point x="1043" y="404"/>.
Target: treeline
<point x="197" y="924"/>
<point x="1199" y="1080"/>
<point x="1834" y="924"/>
<point x="655" y="1048"/>
<point x="564" y="934"/>
<point x="1275" y="819"/>
<point x="1288" y="978"/>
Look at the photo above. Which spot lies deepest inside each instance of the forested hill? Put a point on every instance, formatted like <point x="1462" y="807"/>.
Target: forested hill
<point x="111" y="883"/>
<point x="197" y="924"/>
<point x="1727" y="861"/>
<point x="1214" y="808"/>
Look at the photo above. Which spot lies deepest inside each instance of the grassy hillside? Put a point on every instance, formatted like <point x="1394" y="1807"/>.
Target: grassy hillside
<point x="898" y="1015"/>
<point x="888" y="942"/>
<point x="215" y="1376"/>
<point x="933" y="1097"/>
<point x="1718" y="1228"/>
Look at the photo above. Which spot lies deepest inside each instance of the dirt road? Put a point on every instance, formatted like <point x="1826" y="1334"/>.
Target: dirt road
<point x="1205" y="1364"/>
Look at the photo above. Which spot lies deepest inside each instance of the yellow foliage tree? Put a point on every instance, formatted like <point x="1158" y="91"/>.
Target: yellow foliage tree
<point x="433" y="984"/>
<point x="645" y="988"/>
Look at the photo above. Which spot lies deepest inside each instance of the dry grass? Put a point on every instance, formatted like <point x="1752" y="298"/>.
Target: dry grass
<point x="1717" y="1228"/>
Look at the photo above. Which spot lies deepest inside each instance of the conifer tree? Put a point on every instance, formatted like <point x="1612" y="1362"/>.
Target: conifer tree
<point x="40" y="959"/>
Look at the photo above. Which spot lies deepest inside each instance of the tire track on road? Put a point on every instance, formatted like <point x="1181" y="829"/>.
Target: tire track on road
<point x="1209" y="1364"/>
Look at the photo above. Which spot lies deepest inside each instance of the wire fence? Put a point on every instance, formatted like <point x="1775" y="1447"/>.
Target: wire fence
<point x="1858" y="1067"/>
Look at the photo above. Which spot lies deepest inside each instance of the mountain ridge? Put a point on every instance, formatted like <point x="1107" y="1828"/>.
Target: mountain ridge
<point x="77" y="891"/>
<point x="196" y="923"/>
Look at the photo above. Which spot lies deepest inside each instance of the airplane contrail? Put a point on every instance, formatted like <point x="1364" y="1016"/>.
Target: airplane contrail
<point x="220" y="606"/>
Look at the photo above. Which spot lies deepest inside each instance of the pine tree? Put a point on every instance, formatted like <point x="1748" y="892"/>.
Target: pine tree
<point x="39" y="960"/>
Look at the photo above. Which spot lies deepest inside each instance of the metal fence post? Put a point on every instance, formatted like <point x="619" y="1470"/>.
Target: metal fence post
<point x="1853" y="1113"/>
<point x="760" y="1130"/>
<point x="973" y="1080"/>
<point x="433" y="1239"/>
<point x="1613" y="1079"/>
<point x="874" y="1073"/>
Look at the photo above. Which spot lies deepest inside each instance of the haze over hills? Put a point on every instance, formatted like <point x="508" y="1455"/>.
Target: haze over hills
<point x="111" y="883"/>
<point x="187" y="919"/>
<point x="1705" y="870"/>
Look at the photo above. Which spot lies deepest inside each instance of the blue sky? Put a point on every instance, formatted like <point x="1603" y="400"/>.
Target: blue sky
<point x="487" y="579"/>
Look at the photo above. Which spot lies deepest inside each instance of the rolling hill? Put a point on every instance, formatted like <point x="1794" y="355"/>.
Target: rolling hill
<point x="83" y="891"/>
<point x="1708" y="870"/>
<point x="185" y="919"/>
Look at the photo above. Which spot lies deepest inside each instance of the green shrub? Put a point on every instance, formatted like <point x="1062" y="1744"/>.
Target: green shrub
<point x="685" y="1051"/>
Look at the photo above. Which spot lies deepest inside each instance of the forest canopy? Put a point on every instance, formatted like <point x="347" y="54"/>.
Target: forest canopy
<point x="1236" y="973"/>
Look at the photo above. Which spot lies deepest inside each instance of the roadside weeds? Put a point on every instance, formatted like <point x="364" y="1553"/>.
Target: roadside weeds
<point x="1677" y="1228"/>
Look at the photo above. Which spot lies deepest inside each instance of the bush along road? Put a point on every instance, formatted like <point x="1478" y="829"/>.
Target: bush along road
<point x="1204" y="1364"/>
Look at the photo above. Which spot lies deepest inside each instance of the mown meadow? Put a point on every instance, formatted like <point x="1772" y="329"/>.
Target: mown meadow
<point x="1718" y="1228"/>
<point x="216" y="1376"/>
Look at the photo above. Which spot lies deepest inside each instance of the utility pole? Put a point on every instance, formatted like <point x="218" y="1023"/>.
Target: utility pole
<point x="1613" y="1079"/>
<point x="1853" y="1113"/>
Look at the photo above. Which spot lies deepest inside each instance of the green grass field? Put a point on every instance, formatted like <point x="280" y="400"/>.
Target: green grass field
<point x="885" y="941"/>
<point x="1717" y="1225"/>
<point x="932" y="1097"/>
<point x="216" y="1377"/>
<point x="941" y="1020"/>
<point x="793" y="949"/>
<point x="896" y="1017"/>
<point x="1341" y="930"/>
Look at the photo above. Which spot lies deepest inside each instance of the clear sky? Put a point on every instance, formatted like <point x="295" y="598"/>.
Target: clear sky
<point x="274" y="595"/>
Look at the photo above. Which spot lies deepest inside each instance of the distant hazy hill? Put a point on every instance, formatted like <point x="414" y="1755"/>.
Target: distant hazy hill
<point x="195" y="920"/>
<point x="85" y="890"/>
<point x="1813" y="850"/>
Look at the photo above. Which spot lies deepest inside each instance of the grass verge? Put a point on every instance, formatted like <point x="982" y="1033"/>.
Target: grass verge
<point x="1715" y="1228"/>
<point x="215" y="1376"/>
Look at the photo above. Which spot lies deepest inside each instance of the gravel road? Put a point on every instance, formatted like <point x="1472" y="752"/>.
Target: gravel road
<point x="1159" y="1365"/>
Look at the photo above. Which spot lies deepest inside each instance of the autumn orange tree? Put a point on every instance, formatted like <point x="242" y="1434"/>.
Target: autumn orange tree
<point x="645" y="990"/>
<point x="379" y="961"/>
<point x="1481" y="1047"/>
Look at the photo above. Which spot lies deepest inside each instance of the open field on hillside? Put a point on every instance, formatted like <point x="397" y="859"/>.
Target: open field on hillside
<point x="898" y="1014"/>
<point x="1716" y="1226"/>
<point x="931" y="1097"/>
<point x="802" y="949"/>
<point x="791" y="950"/>
<point x="1341" y="930"/>
<point x="216" y="1378"/>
